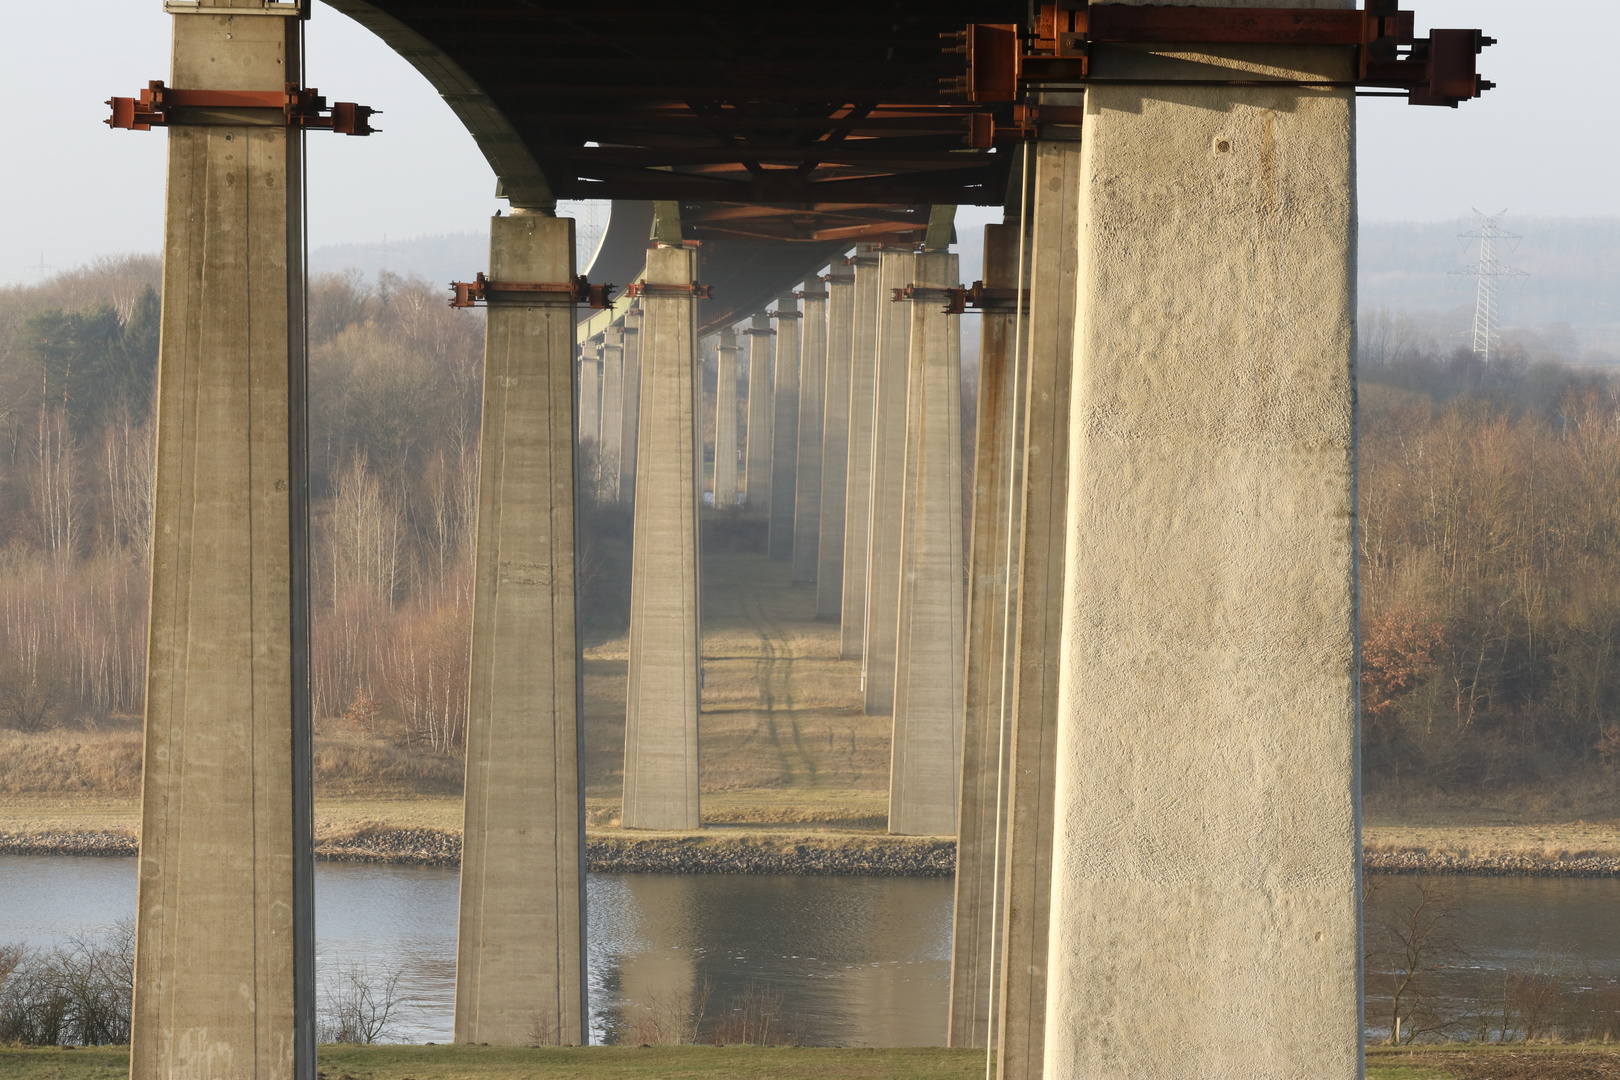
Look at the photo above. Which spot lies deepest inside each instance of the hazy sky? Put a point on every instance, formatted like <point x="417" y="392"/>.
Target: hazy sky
<point x="1543" y="143"/>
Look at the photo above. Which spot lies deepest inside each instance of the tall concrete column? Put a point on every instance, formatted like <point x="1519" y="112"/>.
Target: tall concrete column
<point x="785" y="426"/>
<point x="807" y="486"/>
<point x="725" y="421"/>
<point x="891" y="368"/>
<point x="925" y="772"/>
<point x="858" y="484"/>
<point x="835" y="442"/>
<point x="987" y="729"/>
<point x="630" y="411"/>
<point x="1054" y="242"/>
<point x="224" y="944"/>
<point x="661" y="721"/>
<point x="1206" y="878"/>
<point x="520" y="952"/>
<point x="612" y="427"/>
<point x="761" y="415"/>
<point x="590" y="394"/>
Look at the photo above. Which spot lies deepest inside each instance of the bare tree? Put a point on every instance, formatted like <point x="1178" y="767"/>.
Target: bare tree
<point x="367" y="539"/>
<point x="1414" y="940"/>
<point x="127" y="465"/>
<point x="359" y="1005"/>
<point x="53" y="486"/>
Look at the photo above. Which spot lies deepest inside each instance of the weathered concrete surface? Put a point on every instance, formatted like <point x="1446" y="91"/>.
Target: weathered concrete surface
<point x="1205" y="884"/>
<point x="1041" y="540"/>
<point x="987" y="728"/>
<point x="725" y="421"/>
<point x="608" y="449"/>
<point x="630" y="415"/>
<point x="224" y="931"/>
<point x="858" y="487"/>
<point x="925" y="772"/>
<point x="661" y="721"/>
<point x="812" y="398"/>
<point x="785" y="426"/>
<point x="520" y="956"/>
<point x="888" y="484"/>
<point x="761" y="413"/>
<point x="590" y="395"/>
<point x="835" y="442"/>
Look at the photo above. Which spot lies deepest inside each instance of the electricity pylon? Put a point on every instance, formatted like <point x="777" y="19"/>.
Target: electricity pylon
<point x="1488" y="270"/>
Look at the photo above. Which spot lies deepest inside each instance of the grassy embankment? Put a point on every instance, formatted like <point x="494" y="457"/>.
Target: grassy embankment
<point x="782" y="1063"/>
<point x="786" y="752"/>
<point x="786" y="749"/>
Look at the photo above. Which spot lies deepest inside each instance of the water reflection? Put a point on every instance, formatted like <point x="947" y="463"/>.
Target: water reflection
<point x="856" y="961"/>
<point x="1564" y="932"/>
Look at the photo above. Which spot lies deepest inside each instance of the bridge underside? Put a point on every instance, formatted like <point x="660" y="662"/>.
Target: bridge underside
<point x="786" y="134"/>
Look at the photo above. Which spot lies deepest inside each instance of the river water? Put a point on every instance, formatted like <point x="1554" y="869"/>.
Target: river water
<point x="854" y="961"/>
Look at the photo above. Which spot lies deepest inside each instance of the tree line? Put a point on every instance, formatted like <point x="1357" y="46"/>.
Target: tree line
<point x="1490" y="568"/>
<point x="1489" y="529"/>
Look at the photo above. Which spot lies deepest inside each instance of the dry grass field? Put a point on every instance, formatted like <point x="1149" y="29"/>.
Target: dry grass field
<point x="784" y="742"/>
<point x="784" y="745"/>
<point x="782" y="738"/>
<point x="1515" y="1062"/>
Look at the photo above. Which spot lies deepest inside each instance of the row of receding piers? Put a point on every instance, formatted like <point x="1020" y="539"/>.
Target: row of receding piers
<point x="834" y="430"/>
<point x="1135" y="684"/>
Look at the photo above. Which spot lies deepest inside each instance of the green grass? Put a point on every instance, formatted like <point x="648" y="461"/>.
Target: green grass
<point x="690" y="1062"/>
<point x="576" y="1063"/>
<point x="51" y="1063"/>
<point x="1404" y="1072"/>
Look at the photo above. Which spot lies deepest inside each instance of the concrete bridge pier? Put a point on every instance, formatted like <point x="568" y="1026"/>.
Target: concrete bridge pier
<point x="608" y="449"/>
<point x="761" y="414"/>
<point x="630" y="411"/>
<point x="1206" y="876"/>
<point x="1041" y="541"/>
<point x="665" y="675"/>
<point x="987" y="730"/>
<point x="858" y="486"/>
<point x="785" y="426"/>
<point x="925" y="773"/>
<point x="224" y="945"/>
<point x="891" y="367"/>
<point x="725" y="421"/>
<point x="520" y="954"/>
<point x="835" y="442"/>
<point x="812" y="390"/>
<point x="590" y="395"/>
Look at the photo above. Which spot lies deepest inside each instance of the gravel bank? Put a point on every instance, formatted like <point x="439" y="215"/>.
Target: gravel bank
<point x="878" y="856"/>
<point x="874" y="856"/>
<point x="1423" y="862"/>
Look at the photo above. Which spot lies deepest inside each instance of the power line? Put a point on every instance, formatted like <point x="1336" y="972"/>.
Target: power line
<point x="1489" y="269"/>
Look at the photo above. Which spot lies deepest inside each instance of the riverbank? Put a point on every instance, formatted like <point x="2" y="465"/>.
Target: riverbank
<point x="789" y="850"/>
<point x="710" y="852"/>
<point x="1514" y="1062"/>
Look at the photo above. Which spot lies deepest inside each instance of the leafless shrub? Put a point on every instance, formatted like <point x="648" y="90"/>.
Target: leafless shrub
<point x="1553" y="1002"/>
<point x="77" y="993"/>
<point x="666" y="1018"/>
<point x="753" y="1018"/>
<point x="359" y="1005"/>
<point x="29" y="695"/>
